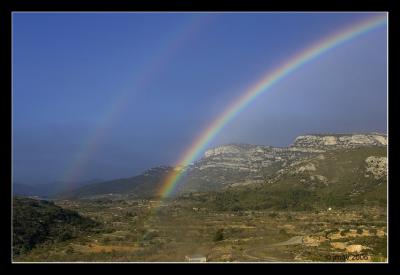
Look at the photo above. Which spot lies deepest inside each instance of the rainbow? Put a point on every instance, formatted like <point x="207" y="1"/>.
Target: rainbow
<point x="169" y="45"/>
<point x="269" y="79"/>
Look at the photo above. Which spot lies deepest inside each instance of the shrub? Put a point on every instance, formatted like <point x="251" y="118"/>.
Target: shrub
<point x="344" y="232"/>
<point x="66" y="235"/>
<point x="373" y="231"/>
<point x="219" y="235"/>
<point x="106" y="240"/>
<point x="273" y="215"/>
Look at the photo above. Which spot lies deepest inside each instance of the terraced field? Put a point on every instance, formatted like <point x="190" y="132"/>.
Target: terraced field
<point x="134" y="232"/>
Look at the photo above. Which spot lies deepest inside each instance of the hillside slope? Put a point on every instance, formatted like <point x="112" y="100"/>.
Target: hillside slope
<point x="337" y="178"/>
<point x="143" y="185"/>
<point x="39" y="221"/>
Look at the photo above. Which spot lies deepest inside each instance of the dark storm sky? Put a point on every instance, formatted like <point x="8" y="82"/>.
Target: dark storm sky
<point x="107" y="95"/>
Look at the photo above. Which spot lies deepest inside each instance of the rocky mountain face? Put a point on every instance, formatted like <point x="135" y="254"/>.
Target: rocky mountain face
<point x="239" y="164"/>
<point x="315" y="172"/>
<point x="326" y="142"/>
<point x="236" y="165"/>
<point x="244" y="164"/>
<point x="334" y="178"/>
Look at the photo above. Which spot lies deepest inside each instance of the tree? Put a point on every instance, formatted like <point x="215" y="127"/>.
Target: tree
<point x="219" y="235"/>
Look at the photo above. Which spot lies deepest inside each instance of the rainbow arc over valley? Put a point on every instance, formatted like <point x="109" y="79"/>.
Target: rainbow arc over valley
<point x="270" y="78"/>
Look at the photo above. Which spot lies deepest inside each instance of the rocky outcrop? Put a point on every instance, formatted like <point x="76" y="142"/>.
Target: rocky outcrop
<point x="252" y="158"/>
<point x="225" y="150"/>
<point x="239" y="164"/>
<point x="245" y="157"/>
<point x="309" y="167"/>
<point x="377" y="166"/>
<point x="336" y="141"/>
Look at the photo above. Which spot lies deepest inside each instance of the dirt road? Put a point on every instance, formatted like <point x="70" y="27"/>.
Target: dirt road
<point x="291" y="241"/>
<point x="249" y="253"/>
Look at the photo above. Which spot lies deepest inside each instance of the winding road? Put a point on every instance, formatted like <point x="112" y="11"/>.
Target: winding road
<point x="292" y="241"/>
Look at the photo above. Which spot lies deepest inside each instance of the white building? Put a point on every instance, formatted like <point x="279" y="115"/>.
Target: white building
<point x="196" y="258"/>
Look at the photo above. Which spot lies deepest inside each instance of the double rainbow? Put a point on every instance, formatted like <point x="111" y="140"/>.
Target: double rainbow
<point x="168" y="47"/>
<point x="260" y="87"/>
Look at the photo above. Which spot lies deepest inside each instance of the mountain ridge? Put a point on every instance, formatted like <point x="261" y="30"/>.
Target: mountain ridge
<point x="231" y="165"/>
<point x="48" y="190"/>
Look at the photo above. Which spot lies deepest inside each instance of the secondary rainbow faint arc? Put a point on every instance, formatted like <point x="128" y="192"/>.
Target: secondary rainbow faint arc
<point x="168" y="47"/>
<point x="261" y="86"/>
